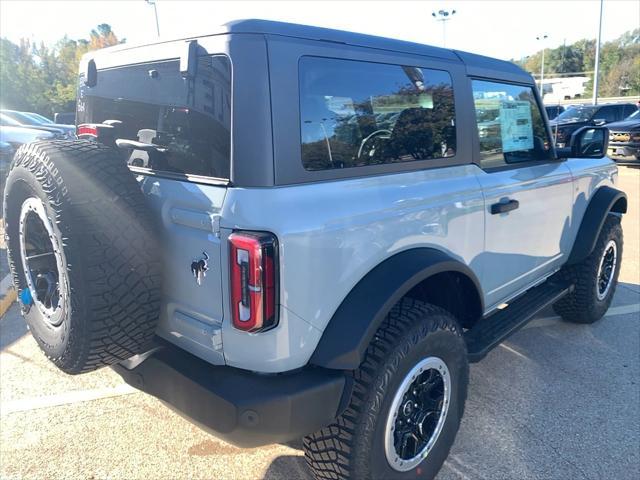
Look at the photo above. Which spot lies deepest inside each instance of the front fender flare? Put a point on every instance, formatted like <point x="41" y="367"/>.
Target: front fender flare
<point x="604" y="201"/>
<point x="358" y="317"/>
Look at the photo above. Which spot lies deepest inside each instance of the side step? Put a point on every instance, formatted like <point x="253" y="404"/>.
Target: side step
<point x="491" y="331"/>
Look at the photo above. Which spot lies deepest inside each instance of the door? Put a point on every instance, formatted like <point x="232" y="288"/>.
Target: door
<point x="174" y="131"/>
<point x="527" y="193"/>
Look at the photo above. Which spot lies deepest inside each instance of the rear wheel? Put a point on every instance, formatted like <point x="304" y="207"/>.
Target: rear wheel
<point x="83" y="253"/>
<point x="595" y="278"/>
<point x="408" y="398"/>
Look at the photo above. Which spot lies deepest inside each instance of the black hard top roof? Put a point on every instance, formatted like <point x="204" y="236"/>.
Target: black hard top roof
<point x="477" y="65"/>
<point x="269" y="27"/>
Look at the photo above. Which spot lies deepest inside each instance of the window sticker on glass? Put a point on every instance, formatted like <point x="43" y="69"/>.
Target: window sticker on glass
<point x="510" y="125"/>
<point x="516" y="126"/>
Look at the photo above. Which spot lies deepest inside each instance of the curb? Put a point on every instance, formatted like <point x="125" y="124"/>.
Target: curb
<point x="8" y="294"/>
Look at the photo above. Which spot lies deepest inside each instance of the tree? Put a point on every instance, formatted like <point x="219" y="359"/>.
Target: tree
<point x="619" y="63"/>
<point x="42" y="79"/>
<point x="103" y="37"/>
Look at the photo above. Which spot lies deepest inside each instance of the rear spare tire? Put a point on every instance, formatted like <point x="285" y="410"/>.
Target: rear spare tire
<point x="83" y="252"/>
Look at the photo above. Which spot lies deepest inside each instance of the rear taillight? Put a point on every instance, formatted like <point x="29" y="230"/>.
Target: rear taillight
<point x="104" y="132"/>
<point x="87" y="129"/>
<point x="254" y="280"/>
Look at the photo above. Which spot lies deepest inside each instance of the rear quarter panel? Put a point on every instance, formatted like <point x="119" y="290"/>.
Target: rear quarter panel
<point x="332" y="233"/>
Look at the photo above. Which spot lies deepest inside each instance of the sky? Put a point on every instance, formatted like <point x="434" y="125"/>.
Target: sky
<point x="498" y="28"/>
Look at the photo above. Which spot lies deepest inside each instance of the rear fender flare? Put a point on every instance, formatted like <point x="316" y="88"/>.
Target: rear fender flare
<point x="353" y="325"/>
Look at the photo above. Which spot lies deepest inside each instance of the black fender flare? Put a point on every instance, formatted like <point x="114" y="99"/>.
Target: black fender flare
<point x="358" y="317"/>
<point x="604" y="201"/>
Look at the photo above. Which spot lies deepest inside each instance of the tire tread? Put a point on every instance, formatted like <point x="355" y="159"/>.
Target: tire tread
<point x="330" y="452"/>
<point x="103" y="217"/>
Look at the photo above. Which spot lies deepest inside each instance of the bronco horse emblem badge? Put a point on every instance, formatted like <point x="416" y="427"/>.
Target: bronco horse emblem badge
<point x="199" y="268"/>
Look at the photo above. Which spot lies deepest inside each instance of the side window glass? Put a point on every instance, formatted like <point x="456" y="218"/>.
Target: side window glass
<point x="510" y="125"/>
<point x="608" y="114"/>
<point x="355" y="114"/>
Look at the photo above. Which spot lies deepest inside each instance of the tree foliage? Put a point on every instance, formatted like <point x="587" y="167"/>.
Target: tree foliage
<point x="37" y="78"/>
<point x="619" y="63"/>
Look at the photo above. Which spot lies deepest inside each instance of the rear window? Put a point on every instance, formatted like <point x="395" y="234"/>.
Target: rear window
<point x="181" y="125"/>
<point x="356" y="114"/>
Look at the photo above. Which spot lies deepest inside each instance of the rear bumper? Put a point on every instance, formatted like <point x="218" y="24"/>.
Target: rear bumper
<point x="242" y="408"/>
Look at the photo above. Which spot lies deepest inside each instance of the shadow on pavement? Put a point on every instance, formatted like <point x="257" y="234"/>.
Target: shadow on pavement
<point x="288" y="467"/>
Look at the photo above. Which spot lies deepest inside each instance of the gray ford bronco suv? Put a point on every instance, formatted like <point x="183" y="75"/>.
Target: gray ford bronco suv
<point x="285" y="231"/>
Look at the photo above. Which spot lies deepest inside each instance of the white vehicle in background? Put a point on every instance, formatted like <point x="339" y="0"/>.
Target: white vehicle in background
<point x="557" y="89"/>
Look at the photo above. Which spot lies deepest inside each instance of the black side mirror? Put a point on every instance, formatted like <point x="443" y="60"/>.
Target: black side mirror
<point x="586" y="142"/>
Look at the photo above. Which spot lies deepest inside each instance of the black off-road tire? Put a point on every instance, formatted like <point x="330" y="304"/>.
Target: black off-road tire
<point x="108" y="248"/>
<point x="583" y="304"/>
<point x="353" y="446"/>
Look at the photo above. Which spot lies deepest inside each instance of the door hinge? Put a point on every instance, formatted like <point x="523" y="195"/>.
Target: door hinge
<point x="215" y="224"/>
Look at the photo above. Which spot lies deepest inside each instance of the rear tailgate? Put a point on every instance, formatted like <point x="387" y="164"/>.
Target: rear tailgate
<point x="173" y="128"/>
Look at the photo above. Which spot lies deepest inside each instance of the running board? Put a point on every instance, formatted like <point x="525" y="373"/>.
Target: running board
<point x="489" y="332"/>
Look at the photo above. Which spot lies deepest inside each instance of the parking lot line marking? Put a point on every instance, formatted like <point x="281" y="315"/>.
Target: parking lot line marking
<point x="619" y="310"/>
<point x="514" y="351"/>
<point x="67" y="398"/>
<point x="623" y="310"/>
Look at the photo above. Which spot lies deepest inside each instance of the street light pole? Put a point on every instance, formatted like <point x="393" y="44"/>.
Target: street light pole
<point x="442" y="16"/>
<point x="543" y="38"/>
<point x="597" y="66"/>
<point x="155" y="10"/>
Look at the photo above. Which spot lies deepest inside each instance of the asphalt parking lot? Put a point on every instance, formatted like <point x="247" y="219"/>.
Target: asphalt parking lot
<point x="556" y="401"/>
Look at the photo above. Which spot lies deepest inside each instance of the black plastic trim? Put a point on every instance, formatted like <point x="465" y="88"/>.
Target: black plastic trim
<point x="356" y="320"/>
<point x="243" y="408"/>
<point x="573" y="148"/>
<point x="606" y="200"/>
<point x="489" y="332"/>
<point x="504" y="207"/>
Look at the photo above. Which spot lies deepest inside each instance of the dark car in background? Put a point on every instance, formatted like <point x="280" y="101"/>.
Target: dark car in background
<point x="579" y="116"/>
<point x="65" y="118"/>
<point x="624" y="140"/>
<point x="11" y="137"/>
<point x="32" y="120"/>
<point x="6" y="154"/>
<point x="553" y="111"/>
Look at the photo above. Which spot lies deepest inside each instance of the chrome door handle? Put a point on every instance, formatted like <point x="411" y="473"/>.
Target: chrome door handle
<point x="503" y="207"/>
